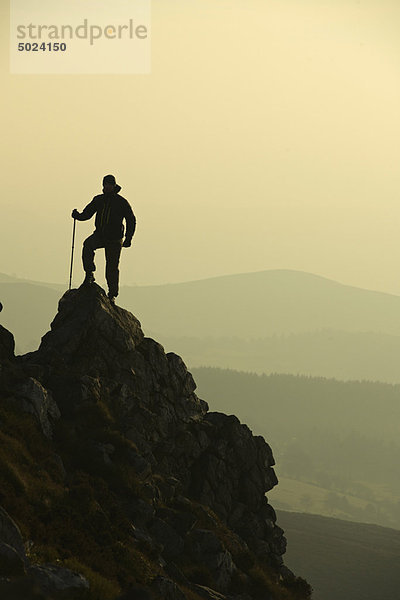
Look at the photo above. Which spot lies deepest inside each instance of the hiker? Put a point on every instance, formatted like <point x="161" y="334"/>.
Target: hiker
<point x="111" y="209"/>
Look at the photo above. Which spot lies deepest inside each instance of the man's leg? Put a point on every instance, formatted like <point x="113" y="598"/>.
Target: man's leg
<point x="89" y="246"/>
<point x="113" y="253"/>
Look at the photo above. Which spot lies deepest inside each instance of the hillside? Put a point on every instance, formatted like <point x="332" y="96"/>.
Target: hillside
<point x="116" y="481"/>
<point x="344" y="355"/>
<point x="341" y="559"/>
<point x="286" y="402"/>
<point x="361" y="501"/>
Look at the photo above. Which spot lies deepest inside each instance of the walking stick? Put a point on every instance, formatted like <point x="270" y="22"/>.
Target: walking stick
<point x="72" y="254"/>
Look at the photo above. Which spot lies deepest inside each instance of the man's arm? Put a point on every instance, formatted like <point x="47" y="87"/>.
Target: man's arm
<point x="87" y="212"/>
<point x="130" y="224"/>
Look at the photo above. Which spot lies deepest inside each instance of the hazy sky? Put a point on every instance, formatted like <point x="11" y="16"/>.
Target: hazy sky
<point x="266" y="136"/>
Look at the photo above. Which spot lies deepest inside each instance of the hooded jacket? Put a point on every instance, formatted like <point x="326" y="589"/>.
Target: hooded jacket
<point x="111" y="209"/>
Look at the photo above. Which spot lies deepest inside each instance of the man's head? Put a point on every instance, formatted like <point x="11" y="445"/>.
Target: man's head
<point x="108" y="184"/>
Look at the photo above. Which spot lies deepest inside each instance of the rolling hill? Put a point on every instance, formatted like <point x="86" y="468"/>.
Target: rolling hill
<point x="271" y="321"/>
<point x="340" y="559"/>
<point x="254" y="305"/>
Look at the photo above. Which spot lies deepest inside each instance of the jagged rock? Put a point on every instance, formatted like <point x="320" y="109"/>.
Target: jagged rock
<point x="181" y="379"/>
<point x="131" y="408"/>
<point x="232" y="476"/>
<point x="89" y="333"/>
<point x="208" y="593"/>
<point x="59" y="581"/>
<point x="287" y="574"/>
<point x="140" y="464"/>
<point x="7" y="344"/>
<point x="141" y="536"/>
<point x="33" y="398"/>
<point x="207" y="549"/>
<point x="11" y="535"/>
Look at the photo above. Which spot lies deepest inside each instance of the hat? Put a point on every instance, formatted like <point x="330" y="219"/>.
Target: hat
<point x="109" y="179"/>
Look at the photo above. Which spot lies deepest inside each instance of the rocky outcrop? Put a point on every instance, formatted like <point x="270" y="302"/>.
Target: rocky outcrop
<point x="89" y="336"/>
<point x="58" y="581"/>
<point x="12" y="550"/>
<point x="199" y="509"/>
<point x="31" y="397"/>
<point x="7" y="344"/>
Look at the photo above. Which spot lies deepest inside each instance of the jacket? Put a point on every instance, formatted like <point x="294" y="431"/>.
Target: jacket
<point x="111" y="210"/>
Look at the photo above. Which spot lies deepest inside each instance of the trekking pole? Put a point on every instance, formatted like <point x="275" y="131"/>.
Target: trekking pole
<point x="72" y="254"/>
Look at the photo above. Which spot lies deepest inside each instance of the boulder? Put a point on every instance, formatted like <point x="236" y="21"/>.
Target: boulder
<point x="31" y="397"/>
<point x="59" y="582"/>
<point x="10" y="536"/>
<point x="207" y="549"/>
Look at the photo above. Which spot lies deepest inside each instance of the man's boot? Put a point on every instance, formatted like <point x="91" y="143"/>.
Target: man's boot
<point x="111" y="297"/>
<point x="89" y="278"/>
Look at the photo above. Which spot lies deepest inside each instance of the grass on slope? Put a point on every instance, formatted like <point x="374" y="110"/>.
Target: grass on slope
<point x="340" y="559"/>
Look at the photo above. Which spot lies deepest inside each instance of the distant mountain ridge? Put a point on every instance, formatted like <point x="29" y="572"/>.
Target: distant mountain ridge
<point x="278" y="301"/>
<point x="262" y="304"/>
<point x="210" y="319"/>
<point x="4" y="278"/>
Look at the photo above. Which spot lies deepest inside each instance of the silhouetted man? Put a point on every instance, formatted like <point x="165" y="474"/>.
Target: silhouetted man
<point x="111" y="209"/>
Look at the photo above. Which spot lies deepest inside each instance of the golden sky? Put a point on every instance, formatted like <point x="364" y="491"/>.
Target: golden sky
<point x="266" y="136"/>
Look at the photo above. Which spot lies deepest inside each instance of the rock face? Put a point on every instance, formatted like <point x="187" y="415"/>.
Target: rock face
<point x="32" y="397"/>
<point x="7" y="344"/>
<point x="12" y="551"/>
<point x="201" y="476"/>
